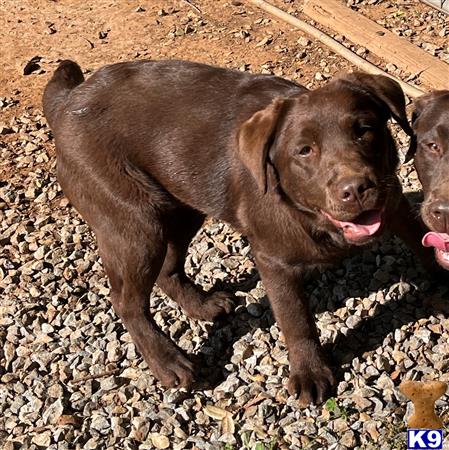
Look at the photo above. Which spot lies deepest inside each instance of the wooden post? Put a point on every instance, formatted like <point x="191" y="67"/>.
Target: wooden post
<point x="360" y="30"/>
<point x="335" y="46"/>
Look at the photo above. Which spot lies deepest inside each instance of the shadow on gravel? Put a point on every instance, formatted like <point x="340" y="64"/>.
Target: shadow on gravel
<point x="370" y="333"/>
<point x="217" y="351"/>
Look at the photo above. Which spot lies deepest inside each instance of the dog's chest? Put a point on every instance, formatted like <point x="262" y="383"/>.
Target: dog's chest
<point x="317" y="249"/>
<point x="295" y="245"/>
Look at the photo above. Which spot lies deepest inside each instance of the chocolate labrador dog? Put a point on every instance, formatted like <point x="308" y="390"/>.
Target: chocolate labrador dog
<point x="146" y="150"/>
<point x="430" y="147"/>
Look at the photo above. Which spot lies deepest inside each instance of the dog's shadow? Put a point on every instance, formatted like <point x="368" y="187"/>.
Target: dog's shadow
<point x="411" y="296"/>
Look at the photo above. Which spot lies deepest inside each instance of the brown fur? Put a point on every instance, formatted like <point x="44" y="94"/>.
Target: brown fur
<point x="146" y="150"/>
<point x="431" y="126"/>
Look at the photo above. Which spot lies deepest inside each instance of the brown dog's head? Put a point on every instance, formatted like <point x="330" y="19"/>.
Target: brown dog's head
<point x="430" y="147"/>
<point x="329" y="151"/>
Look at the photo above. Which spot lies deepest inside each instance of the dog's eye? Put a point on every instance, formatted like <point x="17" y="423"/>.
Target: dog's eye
<point x="362" y="129"/>
<point x="305" y="151"/>
<point x="433" y="147"/>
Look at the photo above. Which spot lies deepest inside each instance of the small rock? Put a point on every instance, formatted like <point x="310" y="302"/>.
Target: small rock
<point x="32" y="65"/>
<point x="53" y="412"/>
<point x="5" y="129"/>
<point x="304" y="42"/>
<point x="42" y="439"/>
<point x="100" y="423"/>
<point x="159" y="441"/>
<point x="255" y="309"/>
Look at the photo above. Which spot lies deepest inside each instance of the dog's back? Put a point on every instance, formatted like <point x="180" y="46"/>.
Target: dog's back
<point x="166" y="120"/>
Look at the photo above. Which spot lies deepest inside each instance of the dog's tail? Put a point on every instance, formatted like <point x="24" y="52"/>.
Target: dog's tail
<point x="67" y="76"/>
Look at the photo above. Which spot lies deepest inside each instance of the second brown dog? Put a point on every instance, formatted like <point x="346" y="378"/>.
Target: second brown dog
<point x="430" y="147"/>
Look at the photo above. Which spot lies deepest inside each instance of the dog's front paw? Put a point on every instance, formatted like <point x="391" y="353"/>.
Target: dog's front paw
<point x="311" y="380"/>
<point x="213" y="306"/>
<point x="173" y="369"/>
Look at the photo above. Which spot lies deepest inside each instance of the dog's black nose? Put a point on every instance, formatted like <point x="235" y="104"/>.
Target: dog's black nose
<point x="354" y="189"/>
<point x="439" y="213"/>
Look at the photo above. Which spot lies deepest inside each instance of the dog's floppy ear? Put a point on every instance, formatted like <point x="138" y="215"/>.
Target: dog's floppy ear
<point x="411" y="150"/>
<point x="418" y="108"/>
<point x="254" y="139"/>
<point x="419" y="105"/>
<point x="388" y="91"/>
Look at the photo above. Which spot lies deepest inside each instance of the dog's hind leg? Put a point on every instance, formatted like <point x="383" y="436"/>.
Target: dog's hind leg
<point x="132" y="261"/>
<point x="173" y="279"/>
<point x="124" y="207"/>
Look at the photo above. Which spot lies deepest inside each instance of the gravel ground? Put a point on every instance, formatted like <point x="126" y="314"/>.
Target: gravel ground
<point x="71" y="377"/>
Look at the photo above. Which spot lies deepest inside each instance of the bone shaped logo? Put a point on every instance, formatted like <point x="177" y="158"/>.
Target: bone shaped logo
<point x="423" y="395"/>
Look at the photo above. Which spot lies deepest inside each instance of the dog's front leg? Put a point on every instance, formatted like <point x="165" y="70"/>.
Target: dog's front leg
<point x="310" y="375"/>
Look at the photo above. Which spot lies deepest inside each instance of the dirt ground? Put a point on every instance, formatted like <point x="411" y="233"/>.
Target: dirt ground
<point x="107" y="31"/>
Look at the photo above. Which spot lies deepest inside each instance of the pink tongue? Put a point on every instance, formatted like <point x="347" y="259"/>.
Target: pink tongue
<point x="437" y="240"/>
<point x="371" y="223"/>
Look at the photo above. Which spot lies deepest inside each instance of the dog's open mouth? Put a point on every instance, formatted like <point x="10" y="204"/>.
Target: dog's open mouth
<point x="440" y="241"/>
<point x="364" y="225"/>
